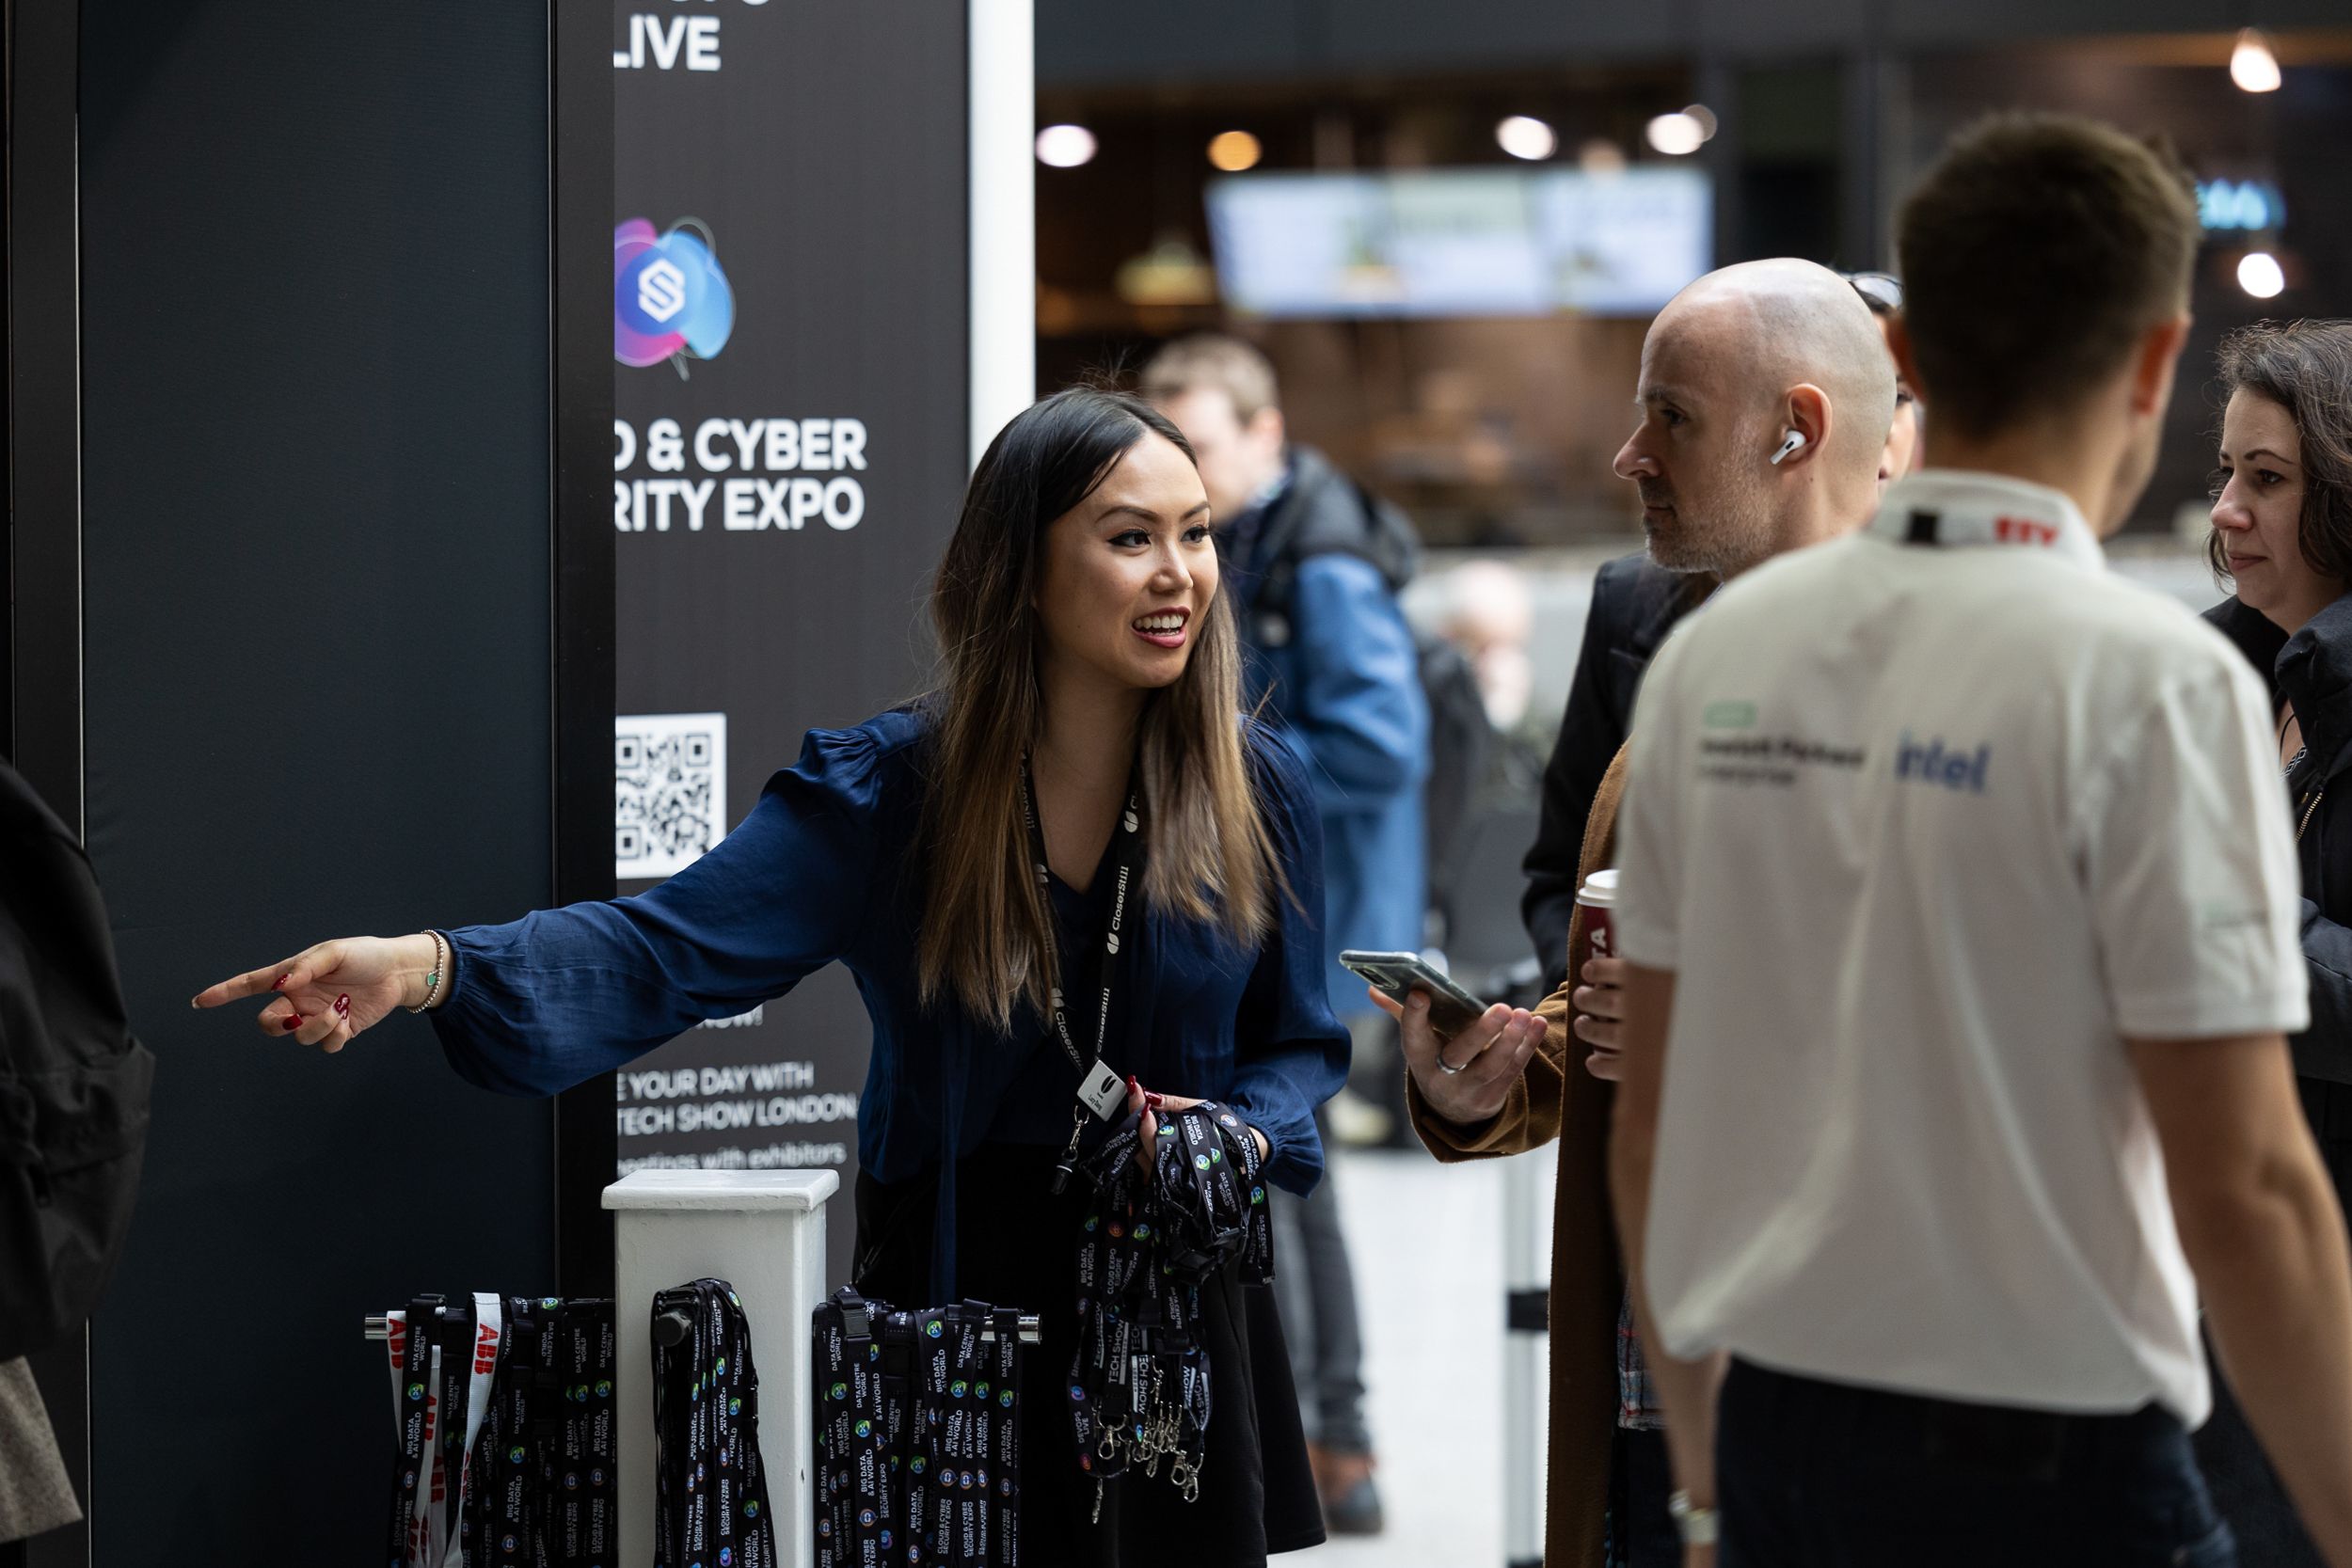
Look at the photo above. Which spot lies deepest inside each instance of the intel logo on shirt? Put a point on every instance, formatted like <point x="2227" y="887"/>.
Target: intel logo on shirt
<point x="1934" y="763"/>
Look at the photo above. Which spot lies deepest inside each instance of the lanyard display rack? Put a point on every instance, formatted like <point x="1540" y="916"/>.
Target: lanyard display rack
<point x="503" y="1431"/>
<point x="575" y="1381"/>
<point x="916" y="1426"/>
<point x="764" y="1231"/>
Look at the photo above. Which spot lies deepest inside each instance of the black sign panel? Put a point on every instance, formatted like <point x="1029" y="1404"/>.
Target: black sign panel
<point x="789" y="331"/>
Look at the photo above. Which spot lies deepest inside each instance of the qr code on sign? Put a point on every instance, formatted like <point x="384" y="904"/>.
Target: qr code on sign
<point x="670" y="791"/>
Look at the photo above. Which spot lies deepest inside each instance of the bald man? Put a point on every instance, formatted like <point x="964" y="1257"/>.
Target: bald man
<point x="1765" y="396"/>
<point x="1727" y="365"/>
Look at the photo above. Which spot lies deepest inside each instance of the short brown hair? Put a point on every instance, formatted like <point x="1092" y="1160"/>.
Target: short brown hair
<point x="1211" y="359"/>
<point x="2035" y="254"/>
<point x="2306" y="368"/>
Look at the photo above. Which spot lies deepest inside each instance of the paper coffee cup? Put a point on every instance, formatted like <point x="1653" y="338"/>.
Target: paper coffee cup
<point x="1598" y="897"/>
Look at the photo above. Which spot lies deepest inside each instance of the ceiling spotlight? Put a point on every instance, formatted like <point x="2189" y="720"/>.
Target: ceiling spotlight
<point x="1705" y="119"/>
<point x="1065" y="146"/>
<point x="1234" y="150"/>
<point x="1600" y="156"/>
<point x="1525" y="136"/>
<point x="2252" y="66"/>
<point x="2260" y="275"/>
<point x="1676" y="135"/>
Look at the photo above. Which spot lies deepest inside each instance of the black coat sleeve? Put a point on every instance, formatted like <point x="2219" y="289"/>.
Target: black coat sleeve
<point x="2325" y="1049"/>
<point x="1591" y="730"/>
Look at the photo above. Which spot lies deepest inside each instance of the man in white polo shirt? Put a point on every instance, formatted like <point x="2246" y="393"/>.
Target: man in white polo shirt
<point x="1977" y="864"/>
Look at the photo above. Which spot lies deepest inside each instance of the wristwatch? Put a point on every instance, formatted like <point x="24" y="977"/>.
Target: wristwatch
<point x="1696" y="1525"/>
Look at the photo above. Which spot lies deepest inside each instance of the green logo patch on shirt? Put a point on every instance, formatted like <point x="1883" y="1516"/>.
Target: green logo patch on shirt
<point x="1728" y="716"/>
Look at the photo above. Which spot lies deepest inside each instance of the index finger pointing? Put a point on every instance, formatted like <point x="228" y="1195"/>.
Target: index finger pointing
<point x="254" y="982"/>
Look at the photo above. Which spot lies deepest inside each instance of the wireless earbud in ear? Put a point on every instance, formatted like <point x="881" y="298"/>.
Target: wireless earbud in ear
<point x="1794" y="443"/>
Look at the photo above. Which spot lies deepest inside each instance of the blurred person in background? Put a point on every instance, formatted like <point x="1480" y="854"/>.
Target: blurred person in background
<point x="2282" y="539"/>
<point x="1313" y="564"/>
<point x="1764" y="398"/>
<point x="1490" y="615"/>
<point x="1882" y="291"/>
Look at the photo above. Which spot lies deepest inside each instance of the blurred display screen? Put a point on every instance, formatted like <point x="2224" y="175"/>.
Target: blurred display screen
<point x="1499" y="241"/>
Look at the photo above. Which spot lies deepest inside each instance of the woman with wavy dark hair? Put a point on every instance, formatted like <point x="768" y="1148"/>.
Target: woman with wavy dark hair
<point x="1089" y="686"/>
<point x="2282" y="539"/>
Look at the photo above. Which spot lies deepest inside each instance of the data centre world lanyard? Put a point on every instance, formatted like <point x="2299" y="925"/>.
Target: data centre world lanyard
<point x="1099" y="1086"/>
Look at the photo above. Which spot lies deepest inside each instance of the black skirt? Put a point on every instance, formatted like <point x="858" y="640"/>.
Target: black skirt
<point x="1016" y="1246"/>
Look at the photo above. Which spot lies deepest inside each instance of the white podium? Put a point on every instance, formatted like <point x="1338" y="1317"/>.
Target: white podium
<point x="764" y="1232"/>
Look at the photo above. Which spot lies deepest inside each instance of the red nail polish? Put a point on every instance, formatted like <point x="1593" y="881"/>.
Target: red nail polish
<point x="280" y="984"/>
<point x="293" y="1021"/>
<point x="1155" y="1100"/>
<point x="343" y="1004"/>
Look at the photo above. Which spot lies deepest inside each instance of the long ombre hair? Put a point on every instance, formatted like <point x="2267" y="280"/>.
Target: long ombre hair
<point x="987" y="939"/>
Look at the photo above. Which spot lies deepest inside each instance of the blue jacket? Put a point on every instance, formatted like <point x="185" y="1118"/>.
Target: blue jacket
<point x="822" y="870"/>
<point x="1339" y="669"/>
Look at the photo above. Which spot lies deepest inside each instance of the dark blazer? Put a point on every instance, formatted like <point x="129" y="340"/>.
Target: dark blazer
<point x="1635" y="604"/>
<point x="2313" y="670"/>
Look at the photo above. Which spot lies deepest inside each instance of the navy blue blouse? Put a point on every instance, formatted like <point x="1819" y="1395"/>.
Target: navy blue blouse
<point x="823" y="869"/>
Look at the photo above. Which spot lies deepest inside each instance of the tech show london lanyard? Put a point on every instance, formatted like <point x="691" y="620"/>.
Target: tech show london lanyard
<point x="1100" y="1090"/>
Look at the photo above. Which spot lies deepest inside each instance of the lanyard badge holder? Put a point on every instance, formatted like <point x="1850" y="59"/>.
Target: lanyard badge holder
<point x="1100" y="1089"/>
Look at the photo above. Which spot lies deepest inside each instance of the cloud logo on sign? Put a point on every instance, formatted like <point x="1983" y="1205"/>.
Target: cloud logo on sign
<point x="670" y="299"/>
<point x="661" y="290"/>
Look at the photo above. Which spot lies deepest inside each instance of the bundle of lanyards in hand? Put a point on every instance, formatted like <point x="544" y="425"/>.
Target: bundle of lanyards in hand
<point x="1139" y="1382"/>
<point x="710" y="1497"/>
<point x="919" y="1452"/>
<point x="505" y="1445"/>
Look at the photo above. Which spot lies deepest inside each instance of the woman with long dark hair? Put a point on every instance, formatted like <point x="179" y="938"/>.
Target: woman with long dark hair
<point x="2282" y="539"/>
<point x="1087" y="717"/>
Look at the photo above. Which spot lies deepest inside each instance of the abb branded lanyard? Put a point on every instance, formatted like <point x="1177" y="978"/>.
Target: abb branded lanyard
<point x="533" y="1462"/>
<point x="1139" y="1382"/>
<point x="710" y="1498"/>
<point x="1100" y="1089"/>
<point x="438" y="1404"/>
<point x="500" y="1526"/>
<point x="918" y="1434"/>
<point x="525" y="1479"/>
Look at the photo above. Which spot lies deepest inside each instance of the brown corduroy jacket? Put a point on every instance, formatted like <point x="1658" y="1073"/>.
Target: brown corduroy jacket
<point x="1556" y="1097"/>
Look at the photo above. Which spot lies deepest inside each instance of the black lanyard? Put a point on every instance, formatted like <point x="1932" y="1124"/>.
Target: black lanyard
<point x="711" y="1495"/>
<point x="1099" y="1086"/>
<point x="580" y="1533"/>
<point x="918" y="1434"/>
<point x="1150" y="1240"/>
<point x="453" y="1332"/>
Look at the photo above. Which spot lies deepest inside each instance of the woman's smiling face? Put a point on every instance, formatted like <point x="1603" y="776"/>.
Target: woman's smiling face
<point x="2258" y="509"/>
<point x="1130" y="571"/>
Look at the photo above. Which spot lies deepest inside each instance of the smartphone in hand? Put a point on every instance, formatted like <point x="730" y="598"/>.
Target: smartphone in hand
<point x="1451" y="1008"/>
